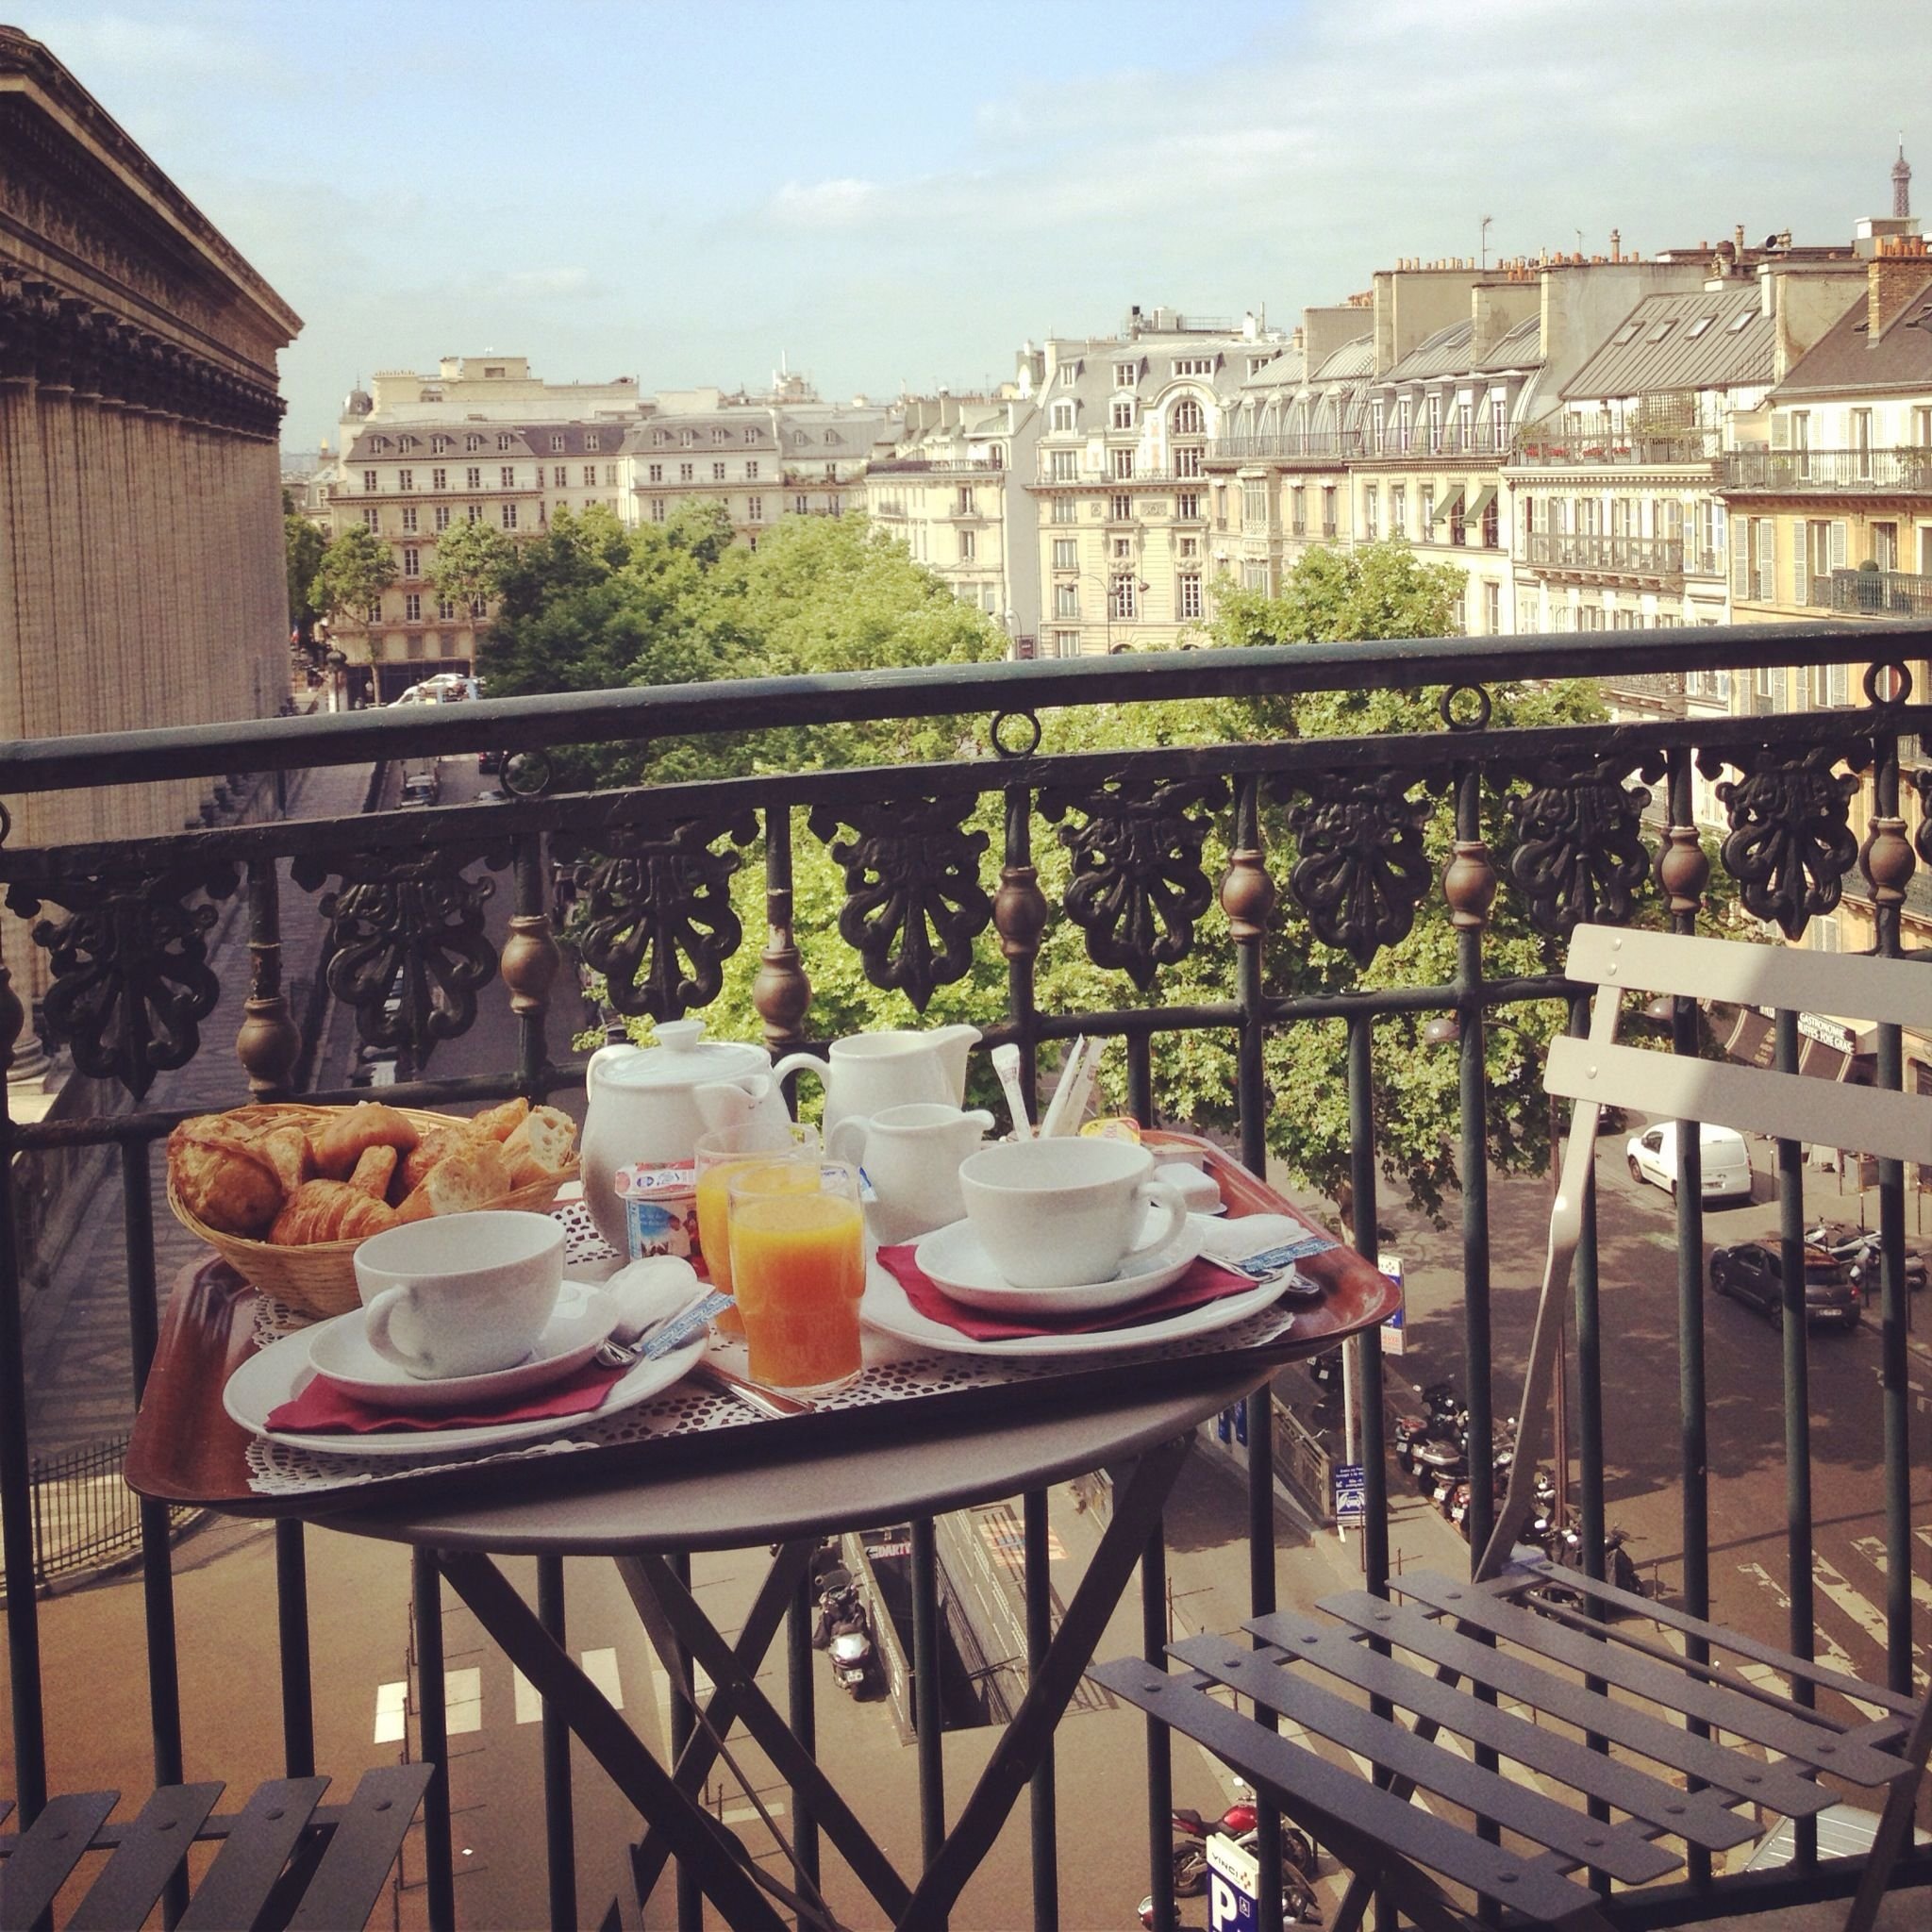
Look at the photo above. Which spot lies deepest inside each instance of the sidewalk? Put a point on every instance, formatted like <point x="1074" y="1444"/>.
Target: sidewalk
<point x="79" y="1369"/>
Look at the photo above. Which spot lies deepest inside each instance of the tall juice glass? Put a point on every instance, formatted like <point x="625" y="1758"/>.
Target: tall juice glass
<point x="718" y="1152"/>
<point x="798" y="1270"/>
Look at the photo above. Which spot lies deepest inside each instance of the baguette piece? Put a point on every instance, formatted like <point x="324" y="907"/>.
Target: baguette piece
<point x="221" y="1178"/>
<point x="341" y="1141"/>
<point x="330" y="1212"/>
<point x="542" y="1146"/>
<point x="499" y="1122"/>
<point x="435" y="1146"/>
<point x="373" y="1173"/>
<point x="475" y="1175"/>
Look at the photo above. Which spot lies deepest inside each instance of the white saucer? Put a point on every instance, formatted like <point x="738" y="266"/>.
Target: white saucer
<point x="340" y="1354"/>
<point x="954" y="1260"/>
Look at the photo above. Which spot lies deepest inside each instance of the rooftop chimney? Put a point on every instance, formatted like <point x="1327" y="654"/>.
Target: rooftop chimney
<point x="1892" y="279"/>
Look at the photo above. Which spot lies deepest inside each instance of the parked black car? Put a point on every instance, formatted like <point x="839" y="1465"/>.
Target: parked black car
<point x="1752" y="1271"/>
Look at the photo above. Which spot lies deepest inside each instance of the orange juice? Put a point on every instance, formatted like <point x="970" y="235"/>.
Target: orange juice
<point x="714" y="1225"/>
<point x="798" y="1263"/>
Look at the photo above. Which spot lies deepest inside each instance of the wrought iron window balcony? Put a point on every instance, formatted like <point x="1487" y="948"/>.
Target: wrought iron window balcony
<point x="1317" y="447"/>
<point x="1825" y="472"/>
<point x="1163" y="852"/>
<point x="1561" y="552"/>
<point x="1559" y="448"/>
<point x="1873" y="593"/>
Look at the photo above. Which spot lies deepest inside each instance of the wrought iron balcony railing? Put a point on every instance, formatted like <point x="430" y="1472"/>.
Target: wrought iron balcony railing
<point x="1557" y="447"/>
<point x="1800" y="471"/>
<point x="1873" y="593"/>
<point x="1316" y="446"/>
<point x="1637" y="557"/>
<point x="1516" y="832"/>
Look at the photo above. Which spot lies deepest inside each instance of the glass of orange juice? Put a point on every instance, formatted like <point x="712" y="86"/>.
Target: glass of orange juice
<point x="798" y="1270"/>
<point x="718" y="1153"/>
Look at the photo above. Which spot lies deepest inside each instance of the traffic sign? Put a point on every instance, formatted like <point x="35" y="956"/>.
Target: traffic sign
<point x="1350" y="1484"/>
<point x="1234" y="1886"/>
<point x="1394" y="1334"/>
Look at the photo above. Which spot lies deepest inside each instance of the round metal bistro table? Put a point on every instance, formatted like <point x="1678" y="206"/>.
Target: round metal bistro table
<point x="793" y="1499"/>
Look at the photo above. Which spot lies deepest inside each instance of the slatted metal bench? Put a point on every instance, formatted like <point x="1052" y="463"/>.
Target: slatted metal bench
<point x="286" y="1859"/>
<point x="1646" y="1753"/>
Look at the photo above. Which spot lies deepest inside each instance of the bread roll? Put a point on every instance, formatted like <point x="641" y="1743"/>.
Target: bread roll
<point x="341" y="1139"/>
<point x="330" y="1212"/>
<point x="499" y="1122"/>
<point x="221" y="1178"/>
<point x="294" y="1159"/>
<point x="435" y="1146"/>
<point x="542" y="1146"/>
<point x="475" y="1175"/>
<point x="373" y="1172"/>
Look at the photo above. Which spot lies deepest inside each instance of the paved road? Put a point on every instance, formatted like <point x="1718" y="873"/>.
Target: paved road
<point x="1749" y="1574"/>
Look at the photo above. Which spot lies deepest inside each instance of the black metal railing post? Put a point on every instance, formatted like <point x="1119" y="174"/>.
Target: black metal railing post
<point x="929" y="1711"/>
<point x="432" y="1726"/>
<point x="1154" y="1639"/>
<point x="1044" y="1840"/>
<point x="560" y="1813"/>
<point x="291" y="1625"/>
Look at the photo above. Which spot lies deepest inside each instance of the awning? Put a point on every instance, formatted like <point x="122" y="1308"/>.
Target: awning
<point x="1448" y="503"/>
<point x="1484" y="497"/>
<point x="1747" y="1034"/>
<point x="1827" y="1050"/>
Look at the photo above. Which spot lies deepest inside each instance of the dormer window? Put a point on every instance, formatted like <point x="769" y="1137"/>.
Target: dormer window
<point x="751" y="439"/>
<point x="832" y="436"/>
<point x="405" y="443"/>
<point x="473" y="443"/>
<point x="661" y="438"/>
<point x="688" y="437"/>
<point x="506" y="442"/>
<point x="592" y="440"/>
<point x="1070" y="374"/>
<point x="721" y="437"/>
<point x="1062" y="418"/>
<point x="1660" y="330"/>
<point x="1125" y="374"/>
<point x="1122" y="413"/>
<point x="1697" y="328"/>
<point x="557" y="442"/>
<point x="438" y="446"/>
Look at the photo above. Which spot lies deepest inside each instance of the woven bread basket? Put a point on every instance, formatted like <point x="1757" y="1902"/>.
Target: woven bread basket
<point x="319" y="1280"/>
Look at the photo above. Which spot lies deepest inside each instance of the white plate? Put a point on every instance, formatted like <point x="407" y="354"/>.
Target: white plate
<point x="886" y="1308"/>
<point x="282" y="1370"/>
<point x="340" y="1352"/>
<point x="955" y="1261"/>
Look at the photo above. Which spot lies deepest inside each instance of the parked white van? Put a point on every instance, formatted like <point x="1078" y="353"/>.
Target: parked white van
<point x="1653" y="1157"/>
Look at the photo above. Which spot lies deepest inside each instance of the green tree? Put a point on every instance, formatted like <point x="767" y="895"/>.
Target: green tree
<point x="303" y="544"/>
<point x="469" y="563"/>
<point x="356" y="569"/>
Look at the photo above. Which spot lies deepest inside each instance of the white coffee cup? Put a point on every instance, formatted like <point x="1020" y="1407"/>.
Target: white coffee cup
<point x="460" y="1294"/>
<point x="1063" y="1213"/>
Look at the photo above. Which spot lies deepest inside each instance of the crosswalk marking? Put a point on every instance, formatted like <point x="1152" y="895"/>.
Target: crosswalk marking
<point x="462" y="1701"/>
<point x="1873" y="1549"/>
<point x="392" y="1713"/>
<point x="1856" y="1608"/>
<point x="600" y="1666"/>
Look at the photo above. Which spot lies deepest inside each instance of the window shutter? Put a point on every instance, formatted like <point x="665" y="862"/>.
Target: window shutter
<point x="1741" y="562"/>
<point x="1838" y="546"/>
<point x="1780" y="432"/>
<point x="1840" y="684"/>
<point x="1801" y="583"/>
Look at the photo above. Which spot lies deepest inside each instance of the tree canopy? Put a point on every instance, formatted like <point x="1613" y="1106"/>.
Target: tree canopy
<point x="356" y="569"/>
<point x="303" y="544"/>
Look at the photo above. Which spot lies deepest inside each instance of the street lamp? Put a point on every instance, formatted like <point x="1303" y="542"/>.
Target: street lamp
<point x="335" y="661"/>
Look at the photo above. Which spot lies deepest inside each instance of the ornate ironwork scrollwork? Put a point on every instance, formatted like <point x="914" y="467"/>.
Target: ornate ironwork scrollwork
<point x="406" y="948"/>
<point x="1790" y="843"/>
<point x="913" y="901"/>
<point x="1579" y="854"/>
<point x="1361" y="871"/>
<point x="653" y="911"/>
<point x="1138" y="885"/>
<point x="131" y="979"/>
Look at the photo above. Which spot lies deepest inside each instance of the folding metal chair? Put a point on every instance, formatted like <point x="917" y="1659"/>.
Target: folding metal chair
<point x="1669" y="1736"/>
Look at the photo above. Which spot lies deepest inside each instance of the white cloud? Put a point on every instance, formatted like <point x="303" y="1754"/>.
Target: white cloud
<point x="842" y="204"/>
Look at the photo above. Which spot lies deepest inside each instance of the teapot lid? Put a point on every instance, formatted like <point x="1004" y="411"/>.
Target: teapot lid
<point x="683" y="1058"/>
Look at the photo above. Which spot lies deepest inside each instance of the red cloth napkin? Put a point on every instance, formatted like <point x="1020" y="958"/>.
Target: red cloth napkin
<point x="1205" y="1281"/>
<point x="323" y="1408"/>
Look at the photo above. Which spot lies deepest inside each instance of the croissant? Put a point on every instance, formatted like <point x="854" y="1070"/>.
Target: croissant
<point x="294" y="1159"/>
<point x="475" y="1175"/>
<point x="542" y="1145"/>
<point x="373" y="1171"/>
<point x="221" y="1178"/>
<point x="341" y="1141"/>
<point x="330" y="1212"/>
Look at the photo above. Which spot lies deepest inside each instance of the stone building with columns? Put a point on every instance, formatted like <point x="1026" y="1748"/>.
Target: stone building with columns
<point x="141" y="567"/>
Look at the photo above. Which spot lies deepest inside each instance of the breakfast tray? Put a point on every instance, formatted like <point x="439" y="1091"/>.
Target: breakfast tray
<point x="185" y="1448"/>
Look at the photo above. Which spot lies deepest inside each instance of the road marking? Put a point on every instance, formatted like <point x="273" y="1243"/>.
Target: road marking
<point x="600" y="1666"/>
<point x="741" y="1814"/>
<point x="1873" y="1549"/>
<point x="392" y="1713"/>
<point x="1862" y="1613"/>
<point x="462" y="1701"/>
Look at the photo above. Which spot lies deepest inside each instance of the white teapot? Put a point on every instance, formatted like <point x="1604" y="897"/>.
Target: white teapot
<point x="649" y="1104"/>
<point x="892" y="1067"/>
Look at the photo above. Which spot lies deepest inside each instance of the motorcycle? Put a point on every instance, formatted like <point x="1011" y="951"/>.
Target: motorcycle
<point x="1238" y="1822"/>
<point x="851" y="1654"/>
<point x="1620" y="1570"/>
<point x="1439" y="1416"/>
<point x="1859" y="1251"/>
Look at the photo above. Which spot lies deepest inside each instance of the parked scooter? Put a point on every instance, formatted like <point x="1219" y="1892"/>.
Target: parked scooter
<point x="1326" y="1369"/>
<point x="1620" y="1571"/>
<point x="843" y="1628"/>
<point x="1238" y="1822"/>
<point x="1440" y="1415"/>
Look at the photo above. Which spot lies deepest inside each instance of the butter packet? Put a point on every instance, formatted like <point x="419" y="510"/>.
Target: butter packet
<point x="1266" y="1247"/>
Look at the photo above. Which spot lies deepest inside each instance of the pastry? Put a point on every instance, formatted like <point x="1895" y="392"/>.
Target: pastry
<point x="341" y="1141"/>
<point x="221" y="1178"/>
<point x="330" y="1212"/>
<point x="374" y="1171"/>
<point x="542" y="1146"/>
<point x="475" y="1175"/>
<point x="294" y="1159"/>
<point x="499" y="1122"/>
<point x="435" y="1146"/>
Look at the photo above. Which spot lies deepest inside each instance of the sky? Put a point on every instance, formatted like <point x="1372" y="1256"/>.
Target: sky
<point x="897" y="194"/>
